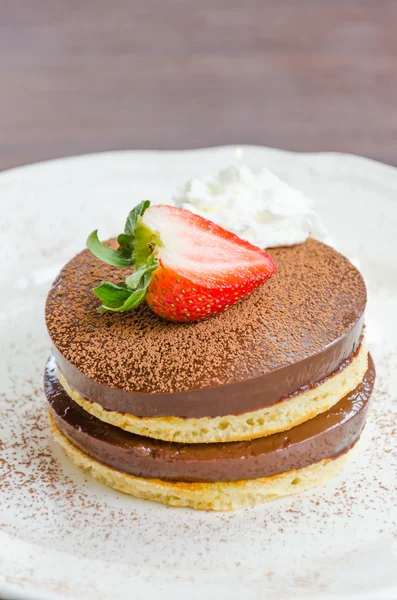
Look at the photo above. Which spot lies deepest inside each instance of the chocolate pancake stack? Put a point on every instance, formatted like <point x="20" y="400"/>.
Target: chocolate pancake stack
<point x="261" y="401"/>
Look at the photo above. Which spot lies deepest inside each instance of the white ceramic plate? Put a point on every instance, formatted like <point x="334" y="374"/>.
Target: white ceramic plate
<point x="65" y="536"/>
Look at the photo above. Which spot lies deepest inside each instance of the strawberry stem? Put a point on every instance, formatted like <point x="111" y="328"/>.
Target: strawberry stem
<point x="136" y="248"/>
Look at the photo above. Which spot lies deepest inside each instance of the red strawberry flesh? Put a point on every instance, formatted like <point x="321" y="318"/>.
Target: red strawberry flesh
<point x="204" y="252"/>
<point x="186" y="267"/>
<point x="203" y="269"/>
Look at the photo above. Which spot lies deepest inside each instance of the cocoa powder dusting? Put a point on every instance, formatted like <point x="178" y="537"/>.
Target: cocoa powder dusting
<point x="315" y="297"/>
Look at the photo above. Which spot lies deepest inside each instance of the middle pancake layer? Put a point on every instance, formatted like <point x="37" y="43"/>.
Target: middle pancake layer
<point x="278" y="417"/>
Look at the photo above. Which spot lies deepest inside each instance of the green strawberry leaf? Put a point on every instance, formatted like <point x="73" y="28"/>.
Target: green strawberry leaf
<point x="130" y="293"/>
<point x="132" y="219"/>
<point x="134" y="280"/>
<point x="126" y="246"/>
<point x="119" y="299"/>
<point x="134" y="299"/>
<point x="105" y="254"/>
<point x="112" y="295"/>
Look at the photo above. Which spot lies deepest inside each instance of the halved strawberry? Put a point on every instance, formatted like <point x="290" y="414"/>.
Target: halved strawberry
<point x="186" y="267"/>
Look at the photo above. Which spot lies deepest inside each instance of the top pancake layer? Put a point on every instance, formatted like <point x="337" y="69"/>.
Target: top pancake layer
<point x="316" y="298"/>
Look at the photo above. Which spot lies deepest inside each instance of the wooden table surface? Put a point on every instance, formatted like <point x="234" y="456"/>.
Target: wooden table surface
<point x="82" y="76"/>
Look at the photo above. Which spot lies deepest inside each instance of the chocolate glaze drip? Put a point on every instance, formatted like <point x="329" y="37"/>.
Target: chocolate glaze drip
<point x="326" y="436"/>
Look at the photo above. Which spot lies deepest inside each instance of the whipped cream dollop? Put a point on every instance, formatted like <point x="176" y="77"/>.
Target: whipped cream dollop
<point x="258" y="207"/>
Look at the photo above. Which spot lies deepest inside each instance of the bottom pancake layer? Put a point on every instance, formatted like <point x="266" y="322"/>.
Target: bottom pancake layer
<point x="204" y="496"/>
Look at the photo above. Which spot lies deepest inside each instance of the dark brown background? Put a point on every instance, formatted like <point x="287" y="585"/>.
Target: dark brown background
<point x="80" y="76"/>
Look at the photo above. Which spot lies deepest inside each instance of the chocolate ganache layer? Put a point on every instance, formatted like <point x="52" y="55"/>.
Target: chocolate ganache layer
<point x="289" y="334"/>
<point x="326" y="436"/>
